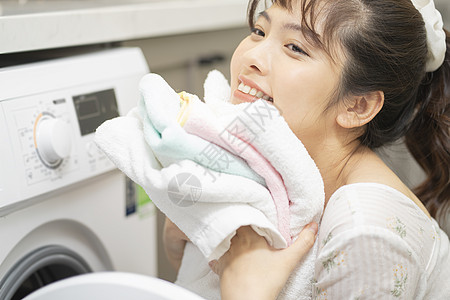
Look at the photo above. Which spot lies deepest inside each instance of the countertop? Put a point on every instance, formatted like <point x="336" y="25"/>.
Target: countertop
<point x="37" y="25"/>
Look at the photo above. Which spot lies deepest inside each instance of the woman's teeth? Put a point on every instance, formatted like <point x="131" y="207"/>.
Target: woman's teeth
<point x="253" y="92"/>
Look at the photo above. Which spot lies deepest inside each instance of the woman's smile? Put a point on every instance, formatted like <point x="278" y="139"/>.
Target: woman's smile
<point x="249" y="91"/>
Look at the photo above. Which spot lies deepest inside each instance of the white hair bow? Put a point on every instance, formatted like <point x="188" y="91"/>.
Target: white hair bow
<point x="435" y="33"/>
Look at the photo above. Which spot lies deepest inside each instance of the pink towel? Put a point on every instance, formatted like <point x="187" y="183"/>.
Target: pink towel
<point x="233" y="137"/>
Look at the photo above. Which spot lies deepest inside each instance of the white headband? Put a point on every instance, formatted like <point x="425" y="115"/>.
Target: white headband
<point x="435" y="33"/>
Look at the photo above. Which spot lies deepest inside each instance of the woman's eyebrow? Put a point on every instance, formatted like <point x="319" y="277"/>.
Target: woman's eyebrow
<point x="312" y="38"/>
<point x="293" y="26"/>
<point x="287" y="26"/>
<point x="265" y="15"/>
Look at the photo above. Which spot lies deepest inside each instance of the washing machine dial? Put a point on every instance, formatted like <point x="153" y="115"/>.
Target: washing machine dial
<point x="52" y="140"/>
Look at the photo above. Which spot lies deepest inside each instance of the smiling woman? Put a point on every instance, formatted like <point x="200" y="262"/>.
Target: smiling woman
<point x="339" y="78"/>
<point x="348" y="77"/>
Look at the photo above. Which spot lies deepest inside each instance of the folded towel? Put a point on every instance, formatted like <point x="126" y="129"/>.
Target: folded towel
<point x="228" y="202"/>
<point x="238" y="135"/>
<point x="170" y="143"/>
<point x="205" y="218"/>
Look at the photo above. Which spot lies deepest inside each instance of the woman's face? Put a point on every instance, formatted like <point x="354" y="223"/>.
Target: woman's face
<point x="276" y="61"/>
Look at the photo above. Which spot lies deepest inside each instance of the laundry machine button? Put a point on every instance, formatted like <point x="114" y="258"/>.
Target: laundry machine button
<point x="53" y="140"/>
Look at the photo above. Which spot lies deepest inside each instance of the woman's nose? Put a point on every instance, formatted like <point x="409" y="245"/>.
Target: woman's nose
<point x="258" y="58"/>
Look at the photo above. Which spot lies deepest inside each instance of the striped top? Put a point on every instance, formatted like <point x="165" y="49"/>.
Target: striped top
<point x="376" y="243"/>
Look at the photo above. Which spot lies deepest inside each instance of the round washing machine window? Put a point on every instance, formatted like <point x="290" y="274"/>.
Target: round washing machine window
<point x="39" y="268"/>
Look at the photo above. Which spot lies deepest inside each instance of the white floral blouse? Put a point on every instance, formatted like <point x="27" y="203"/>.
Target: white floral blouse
<point x="376" y="243"/>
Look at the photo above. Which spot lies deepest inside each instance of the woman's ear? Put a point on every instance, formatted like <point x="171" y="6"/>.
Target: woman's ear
<point x="360" y="110"/>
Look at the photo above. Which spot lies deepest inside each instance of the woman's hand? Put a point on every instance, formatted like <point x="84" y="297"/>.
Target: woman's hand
<point x="174" y="241"/>
<point x="251" y="269"/>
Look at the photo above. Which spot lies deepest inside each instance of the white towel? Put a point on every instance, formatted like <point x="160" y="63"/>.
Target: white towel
<point x="227" y="203"/>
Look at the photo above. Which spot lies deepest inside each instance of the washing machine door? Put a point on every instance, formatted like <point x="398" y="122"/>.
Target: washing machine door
<point x="112" y="286"/>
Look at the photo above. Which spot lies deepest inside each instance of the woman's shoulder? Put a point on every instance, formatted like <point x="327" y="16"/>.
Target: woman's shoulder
<point x="362" y="210"/>
<point x="372" y="203"/>
<point x="370" y="168"/>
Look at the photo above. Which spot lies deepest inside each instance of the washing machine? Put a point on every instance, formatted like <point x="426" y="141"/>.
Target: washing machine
<point x="113" y="286"/>
<point x="65" y="210"/>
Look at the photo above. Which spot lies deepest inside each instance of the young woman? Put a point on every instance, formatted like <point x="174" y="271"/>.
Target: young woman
<point x="350" y="76"/>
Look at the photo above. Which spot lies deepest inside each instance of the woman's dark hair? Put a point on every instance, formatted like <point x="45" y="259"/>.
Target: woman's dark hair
<point x="385" y="48"/>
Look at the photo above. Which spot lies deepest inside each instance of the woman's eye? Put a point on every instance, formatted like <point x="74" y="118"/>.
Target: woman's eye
<point x="296" y="49"/>
<point x="257" y="31"/>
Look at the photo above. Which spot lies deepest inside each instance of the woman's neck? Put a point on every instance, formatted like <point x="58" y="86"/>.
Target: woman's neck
<point x="336" y="163"/>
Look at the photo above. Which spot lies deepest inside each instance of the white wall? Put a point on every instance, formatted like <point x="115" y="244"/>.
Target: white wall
<point x="444" y="7"/>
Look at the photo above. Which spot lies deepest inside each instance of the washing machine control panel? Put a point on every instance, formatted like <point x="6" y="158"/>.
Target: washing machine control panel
<point x="54" y="132"/>
<point x="45" y="137"/>
<point x="47" y="134"/>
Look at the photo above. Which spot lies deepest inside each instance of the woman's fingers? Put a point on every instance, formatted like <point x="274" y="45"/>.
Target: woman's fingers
<point x="215" y="266"/>
<point x="246" y="236"/>
<point x="243" y="240"/>
<point x="302" y="244"/>
<point x="245" y="231"/>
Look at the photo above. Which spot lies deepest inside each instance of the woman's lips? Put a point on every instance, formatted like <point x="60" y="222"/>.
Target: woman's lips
<point x="248" y="91"/>
<point x="242" y="97"/>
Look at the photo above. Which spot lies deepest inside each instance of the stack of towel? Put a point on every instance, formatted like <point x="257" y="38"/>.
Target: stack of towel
<point x="213" y="167"/>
